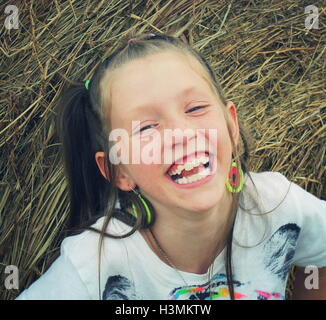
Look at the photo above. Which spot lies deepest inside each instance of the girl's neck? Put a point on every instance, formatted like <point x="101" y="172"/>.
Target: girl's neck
<point x="192" y="245"/>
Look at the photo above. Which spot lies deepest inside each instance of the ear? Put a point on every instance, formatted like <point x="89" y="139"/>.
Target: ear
<point x="232" y="111"/>
<point x="99" y="158"/>
<point x="123" y="181"/>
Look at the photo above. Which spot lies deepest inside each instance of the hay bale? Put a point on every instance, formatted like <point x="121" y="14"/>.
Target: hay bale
<point x="269" y="65"/>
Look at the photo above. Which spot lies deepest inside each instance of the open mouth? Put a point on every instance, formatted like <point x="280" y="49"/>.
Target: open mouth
<point x="193" y="169"/>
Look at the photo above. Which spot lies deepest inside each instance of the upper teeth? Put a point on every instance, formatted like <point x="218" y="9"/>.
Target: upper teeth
<point x="189" y="165"/>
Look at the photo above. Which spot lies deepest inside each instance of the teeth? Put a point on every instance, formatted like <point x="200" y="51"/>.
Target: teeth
<point x="198" y="176"/>
<point x="189" y="165"/>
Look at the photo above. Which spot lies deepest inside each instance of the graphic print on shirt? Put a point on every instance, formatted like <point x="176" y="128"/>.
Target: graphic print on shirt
<point x="119" y="288"/>
<point x="217" y="288"/>
<point x="277" y="257"/>
<point x="280" y="248"/>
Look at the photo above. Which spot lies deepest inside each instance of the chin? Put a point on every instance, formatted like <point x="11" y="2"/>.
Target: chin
<point x="208" y="200"/>
<point x="203" y="204"/>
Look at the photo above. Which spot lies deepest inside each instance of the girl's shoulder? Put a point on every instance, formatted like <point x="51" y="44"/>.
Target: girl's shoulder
<point x="296" y="219"/>
<point x="273" y="190"/>
<point x="268" y="183"/>
<point x="84" y="247"/>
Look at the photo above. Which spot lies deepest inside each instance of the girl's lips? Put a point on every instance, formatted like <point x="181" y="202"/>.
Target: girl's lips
<point x="212" y="165"/>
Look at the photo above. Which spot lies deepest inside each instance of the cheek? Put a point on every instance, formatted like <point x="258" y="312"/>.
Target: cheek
<point x="217" y="133"/>
<point x="220" y="143"/>
<point x="145" y="172"/>
<point x="224" y="156"/>
<point x="224" y="150"/>
<point x="146" y="178"/>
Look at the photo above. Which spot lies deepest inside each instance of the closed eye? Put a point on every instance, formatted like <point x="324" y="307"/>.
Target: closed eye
<point x="147" y="127"/>
<point x="196" y="108"/>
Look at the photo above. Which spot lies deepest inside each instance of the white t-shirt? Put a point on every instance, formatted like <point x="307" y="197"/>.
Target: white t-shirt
<point x="130" y="270"/>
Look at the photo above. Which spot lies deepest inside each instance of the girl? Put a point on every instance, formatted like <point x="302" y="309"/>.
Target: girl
<point x="198" y="227"/>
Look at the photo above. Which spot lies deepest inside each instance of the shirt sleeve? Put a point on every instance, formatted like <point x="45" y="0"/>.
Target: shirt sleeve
<point x="60" y="282"/>
<point x="311" y="245"/>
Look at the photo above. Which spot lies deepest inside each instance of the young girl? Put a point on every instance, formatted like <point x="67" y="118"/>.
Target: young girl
<point x="200" y="226"/>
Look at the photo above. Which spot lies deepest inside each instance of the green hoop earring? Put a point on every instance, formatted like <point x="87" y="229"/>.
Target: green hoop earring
<point x="148" y="211"/>
<point x="235" y="180"/>
<point x="87" y="84"/>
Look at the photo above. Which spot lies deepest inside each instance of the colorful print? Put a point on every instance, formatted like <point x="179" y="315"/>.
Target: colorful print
<point x="262" y="295"/>
<point x="216" y="289"/>
<point x="219" y="290"/>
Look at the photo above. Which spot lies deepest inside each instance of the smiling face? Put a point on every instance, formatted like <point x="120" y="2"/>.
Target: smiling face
<point x="163" y="92"/>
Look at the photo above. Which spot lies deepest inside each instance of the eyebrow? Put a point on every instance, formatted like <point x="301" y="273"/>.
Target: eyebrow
<point x="183" y="93"/>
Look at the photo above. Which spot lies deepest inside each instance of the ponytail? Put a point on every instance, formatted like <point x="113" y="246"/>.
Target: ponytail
<point x="80" y="132"/>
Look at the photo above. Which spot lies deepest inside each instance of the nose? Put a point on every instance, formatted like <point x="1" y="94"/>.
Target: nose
<point x="179" y="138"/>
<point x="178" y="131"/>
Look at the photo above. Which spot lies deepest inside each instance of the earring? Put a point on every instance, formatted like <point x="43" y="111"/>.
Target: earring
<point x="235" y="179"/>
<point x="149" y="218"/>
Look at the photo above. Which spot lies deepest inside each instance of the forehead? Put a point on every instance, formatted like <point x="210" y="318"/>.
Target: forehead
<point x="155" y="79"/>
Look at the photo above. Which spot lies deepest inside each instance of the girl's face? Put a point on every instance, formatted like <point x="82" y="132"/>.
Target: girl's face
<point x="164" y="93"/>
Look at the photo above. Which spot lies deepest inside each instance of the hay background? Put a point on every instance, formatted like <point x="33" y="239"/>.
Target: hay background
<point x="269" y="65"/>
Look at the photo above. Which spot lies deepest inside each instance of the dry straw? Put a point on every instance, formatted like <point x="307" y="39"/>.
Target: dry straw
<point x="269" y="64"/>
